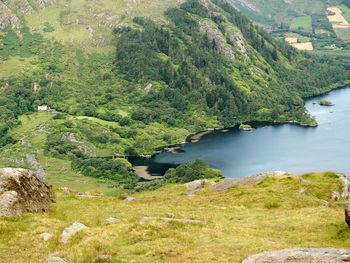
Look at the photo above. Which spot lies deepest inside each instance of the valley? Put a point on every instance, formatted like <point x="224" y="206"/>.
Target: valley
<point x="90" y="89"/>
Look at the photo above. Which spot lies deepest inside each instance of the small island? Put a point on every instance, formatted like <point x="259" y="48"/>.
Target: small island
<point x="326" y="103"/>
<point x="246" y="127"/>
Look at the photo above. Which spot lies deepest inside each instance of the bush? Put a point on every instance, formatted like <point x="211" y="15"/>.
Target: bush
<point x="113" y="169"/>
<point x="183" y="174"/>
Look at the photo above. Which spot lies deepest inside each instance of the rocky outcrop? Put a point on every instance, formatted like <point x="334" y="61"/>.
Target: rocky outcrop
<point x="7" y="18"/>
<point x="11" y="9"/>
<point x="214" y="34"/>
<point x="44" y="3"/>
<point x="228" y="183"/>
<point x="302" y="255"/>
<point x="35" y="164"/>
<point x="22" y="191"/>
<point x="19" y="6"/>
<point x="345" y="183"/>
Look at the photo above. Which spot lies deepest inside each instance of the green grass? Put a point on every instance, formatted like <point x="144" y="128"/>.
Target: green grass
<point x="346" y="12"/>
<point x="302" y="23"/>
<point x="242" y="221"/>
<point x="343" y="33"/>
<point x="15" y="66"/>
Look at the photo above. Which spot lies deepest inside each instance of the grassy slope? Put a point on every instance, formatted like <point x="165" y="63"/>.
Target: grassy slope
<point x="239" y="222"/>
<point x="70" y="19"/>
<point x="304" y="23"/>
<point x="32" y="135"/>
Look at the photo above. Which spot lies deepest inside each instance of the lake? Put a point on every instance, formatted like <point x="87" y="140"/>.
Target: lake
<point x="286" y="147"/>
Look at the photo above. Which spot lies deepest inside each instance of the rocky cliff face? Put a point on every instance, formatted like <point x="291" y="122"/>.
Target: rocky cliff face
<point x="22" y="191"/>
<point x="10" y="9"/>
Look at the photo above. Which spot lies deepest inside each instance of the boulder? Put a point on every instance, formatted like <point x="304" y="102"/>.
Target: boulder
<point x="195" y="185"/>
<point x="130" y="199"/>
<point x="247" y="180"/>
<point x="21" y="191"/>
<point x="55" y="260"/>
<point x="301" y="255"/>
<point x="70" y="231"/>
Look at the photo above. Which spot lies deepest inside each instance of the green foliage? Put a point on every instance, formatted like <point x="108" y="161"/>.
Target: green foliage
<point x="48" y="28"/>
<point x="24" y="45"/>
<point x="114" y="169"/>
<point x="183" y="174"/>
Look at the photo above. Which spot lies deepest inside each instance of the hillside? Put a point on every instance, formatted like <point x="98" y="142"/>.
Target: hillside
<point x="169" y="225"/>
<point x="308" y="23"/>
<point x="180" y="70"/>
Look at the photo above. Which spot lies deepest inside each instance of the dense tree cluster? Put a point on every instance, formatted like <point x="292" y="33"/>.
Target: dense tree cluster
<point x="117" y="170"/>
<point x="183" y="174"/>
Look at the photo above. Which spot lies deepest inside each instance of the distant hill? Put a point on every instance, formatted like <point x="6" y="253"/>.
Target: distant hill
<point x="306" y="21"/>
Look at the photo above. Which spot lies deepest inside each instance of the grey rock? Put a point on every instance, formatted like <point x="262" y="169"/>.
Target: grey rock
<point x="195" y="185"/>
<point x="148" y="88"/>
<point x="335" y="196"/>
<point x="66" y="190"/>
<point x="40" y="172"/>
<point x="169" y="219"/>
<point x="214" y="34"/>
<point x="52" y="259"/>
<point x="302" y="255"/>
<point x="247" y="180"/>
<point x="7" y="17"/>
<point x="112" y="220"/>
<point x="345" y="182"/>
<point x="46" y="236"/>
<point x="302" y="191"/>
<point x="70" y="231"/>
<point x="103" y="258"/>
<point x="130" y="199"/>
<point x="21" y="191"/>
<point x="71" y="137"/>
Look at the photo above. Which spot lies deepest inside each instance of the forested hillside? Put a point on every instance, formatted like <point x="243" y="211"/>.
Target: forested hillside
<point x="202" y="65"/>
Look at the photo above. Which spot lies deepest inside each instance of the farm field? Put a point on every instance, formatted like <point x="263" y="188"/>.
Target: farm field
<point x="339" y="23"/>
<point x="303" y="23"/>
<point x="304" y="18"/>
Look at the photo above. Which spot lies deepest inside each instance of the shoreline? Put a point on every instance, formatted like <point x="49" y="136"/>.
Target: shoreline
<point x="197" y="136"/>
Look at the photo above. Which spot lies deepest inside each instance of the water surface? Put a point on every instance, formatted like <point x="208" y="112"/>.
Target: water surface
<point x="287" y="147"/>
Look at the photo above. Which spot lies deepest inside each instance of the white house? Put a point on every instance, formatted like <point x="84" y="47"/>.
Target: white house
<point x="43" y="108"/>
